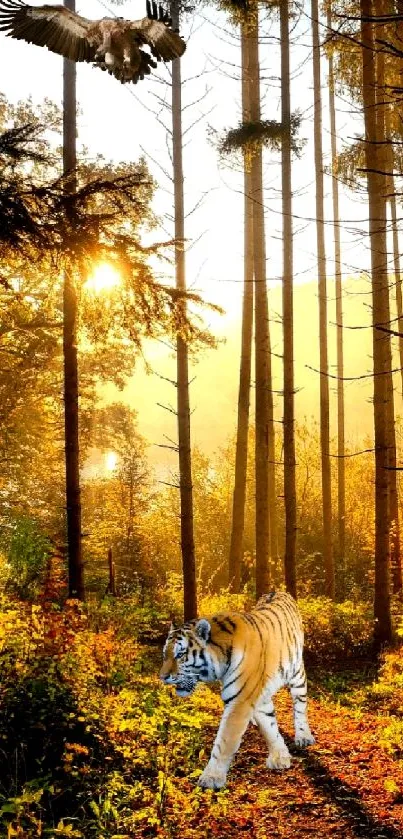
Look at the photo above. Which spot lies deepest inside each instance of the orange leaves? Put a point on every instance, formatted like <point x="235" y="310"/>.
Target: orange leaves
<point x="54" y="586"/>
<point x="142" y="782"/>
<point x="358" y="761"/>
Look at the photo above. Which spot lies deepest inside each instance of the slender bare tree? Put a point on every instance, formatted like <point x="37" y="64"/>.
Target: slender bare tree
<point x="395" y="231"/>
<point x="271" y="442"/>
<point x="241" y="453"/>
<point x="385" y="156"/>
<point x="290" y="496"/>
<point x="398" y="276"/>
<point x="374" y="135"/>
<point x="70" y="312"/>
<point x="183" y="404"/>
<point x="322" y="290"/>
<point x="341" y="469"/>
<point x="262" y="344"/>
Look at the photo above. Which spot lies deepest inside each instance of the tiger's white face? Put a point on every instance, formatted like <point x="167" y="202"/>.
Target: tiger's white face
<point x="185" y="659"/>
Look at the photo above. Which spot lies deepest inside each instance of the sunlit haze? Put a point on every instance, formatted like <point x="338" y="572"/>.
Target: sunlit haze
<point x="104" y="278"/>
<point x="123" y="122"/>
<point x="111" y="461"/>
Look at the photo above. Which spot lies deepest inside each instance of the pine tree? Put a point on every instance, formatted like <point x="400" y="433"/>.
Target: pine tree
<point x="183" y="406"/>
<point x="262" y="342"/>
<point x="341" y="470"/>
<point x="322" y="291"/>
<point x="241" y="451"/>
<point x="290" y="498"/>
<point x="374" y="136"/>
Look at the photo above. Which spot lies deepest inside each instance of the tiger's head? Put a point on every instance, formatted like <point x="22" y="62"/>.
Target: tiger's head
<point x="185" y="657"/>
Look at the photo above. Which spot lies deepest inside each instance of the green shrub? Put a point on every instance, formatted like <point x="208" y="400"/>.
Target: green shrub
<point x="335" y="630"/>
<point x="26" y="550"/>
<point x="37" y="714"/>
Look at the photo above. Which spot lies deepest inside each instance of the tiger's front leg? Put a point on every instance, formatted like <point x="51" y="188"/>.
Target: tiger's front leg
<point x="233" y="725"/>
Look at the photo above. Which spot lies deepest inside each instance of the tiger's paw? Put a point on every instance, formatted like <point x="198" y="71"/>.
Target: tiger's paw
<point x="304" y="738"/>
<point x="212" y="779"/>
<point x="279" y="759"/>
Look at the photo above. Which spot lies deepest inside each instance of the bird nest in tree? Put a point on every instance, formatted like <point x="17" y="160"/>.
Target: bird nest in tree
<point x="245" y="11"/>
<point x="248" y="137"/>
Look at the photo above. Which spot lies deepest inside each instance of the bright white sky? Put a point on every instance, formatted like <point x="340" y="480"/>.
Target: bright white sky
<point x="116" y="121"/>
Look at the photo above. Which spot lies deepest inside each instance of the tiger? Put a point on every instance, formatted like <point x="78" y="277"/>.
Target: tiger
<point x="252" y="654"/>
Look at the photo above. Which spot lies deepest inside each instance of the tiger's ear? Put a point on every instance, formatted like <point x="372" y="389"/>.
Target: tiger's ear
<point x="171" y="628"/>
<point x="203" y="629"/>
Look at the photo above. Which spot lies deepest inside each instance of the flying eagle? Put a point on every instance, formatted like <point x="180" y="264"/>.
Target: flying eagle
<point x="113" y="44"/>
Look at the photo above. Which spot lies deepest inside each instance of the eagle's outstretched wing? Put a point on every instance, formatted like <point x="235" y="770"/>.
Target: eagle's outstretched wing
<point x="55" y="27"/>
<point x="113" y="44"/>
<point x="163" y="42"/>
<point x="155" y="30"/>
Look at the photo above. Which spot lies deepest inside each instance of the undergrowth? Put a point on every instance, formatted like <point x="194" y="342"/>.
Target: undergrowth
<point x="92" y="744"/>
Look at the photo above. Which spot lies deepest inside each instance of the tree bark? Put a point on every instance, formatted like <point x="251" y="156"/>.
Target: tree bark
<point x="271" y="443"/>
<point x="241" y="453"/>
<point x="395" y="542"/>
<point x="111" y="589"/>
<point x="183" y="406"/>
<point x="341" y="470"/>
<point x="394" y="520"/>
<point x="380" y="314"/>
<point x="322" y="293"/>
<point x="385" y="151"/>
<point x="261" y="334"/>
<point x="398" y="276"/>
<point x="290" y="497"/>
<point x="70" y="365"/>
<point x="395" y="237"/>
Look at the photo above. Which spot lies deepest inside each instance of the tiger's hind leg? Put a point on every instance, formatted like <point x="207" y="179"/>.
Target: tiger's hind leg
<point x="298" y="689"/>
<point x="265" y="717"/>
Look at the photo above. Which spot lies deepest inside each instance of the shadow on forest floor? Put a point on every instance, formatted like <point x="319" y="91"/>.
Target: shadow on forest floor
<point x="347" y="800"/>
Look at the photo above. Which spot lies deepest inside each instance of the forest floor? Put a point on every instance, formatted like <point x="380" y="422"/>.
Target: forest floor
<point x="94" y="746"/>
<point x="345" y="786"/>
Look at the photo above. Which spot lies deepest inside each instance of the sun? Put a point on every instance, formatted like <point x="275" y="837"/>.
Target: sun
<point x="111" y="460"/>
<point x="104" y="278"/>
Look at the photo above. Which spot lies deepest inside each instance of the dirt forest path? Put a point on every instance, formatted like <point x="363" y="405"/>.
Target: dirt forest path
<point x="345" y="786"/>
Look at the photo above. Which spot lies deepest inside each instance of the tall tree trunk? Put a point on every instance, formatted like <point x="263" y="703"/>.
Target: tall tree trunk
<point x="185" y="458"/>
<point x="395" y="547"/>
<point x="394" y="521"/>
<point x="324" y="380"/>
<point x="380" y="314"/>
<point x="241" y="454"/>
<point x="290" y="496"/>
<point x="111" y="587"/>
<point x="271" y="443"/>
<point x="261" y="333"/>
<point x="398" y="276"/>
<point x="386" y="154"/>
<point x="395" y="239"/>
<point x="341" y="471"/>
<point x="70" y="313"/>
